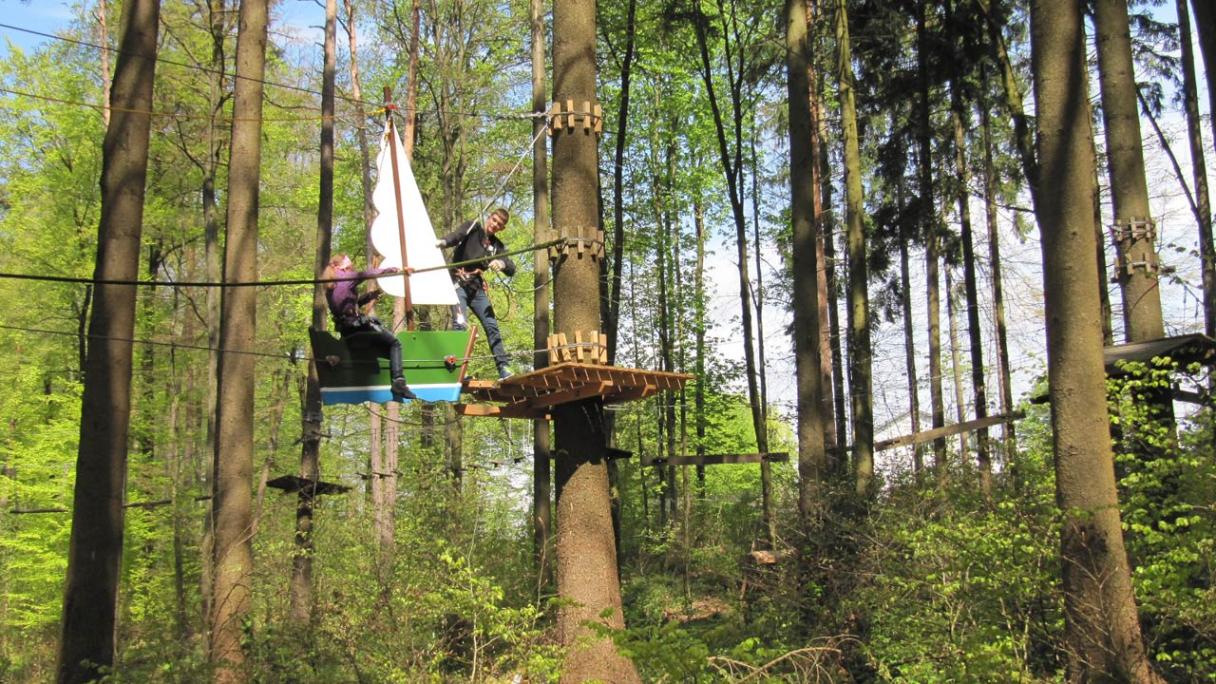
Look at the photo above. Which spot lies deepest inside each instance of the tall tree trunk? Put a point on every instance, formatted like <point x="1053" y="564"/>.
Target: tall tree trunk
<point x="1137" y="267"/>
<point x="839" y="412"/>
<point x="1022" y="135"/>
<point x="823" y="275"/>
<point x="586" y="555"/>
<point x="956" y="363"/>
<point x="103" y="39"/>
<point x="393" y="410"/>
<point x="971" y="290"/>
<point x="928" y="217"/>
<point x="1108" y="327"/>
<point x="218" y="24"/>
<point x="618" y="181"/>
<point x="998" y="291"/>
<point x="301" y="561"/>
<point x="859" y="299"/>
<point x="698" y="213"/>
<point x="1205" y="22"/>
<point x="905" y="277"/>
<point x="730" y="168"/>
<point x="542" y="477"/>
<point x="812" y="459"/>
<point x="1102" y="629"/>
<point x="1203" y="206"/>
<point x="234" y="415"/>
<point x="95" y="548"/>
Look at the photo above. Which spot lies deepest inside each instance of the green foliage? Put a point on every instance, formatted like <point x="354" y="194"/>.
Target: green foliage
<point x="1166" y="486"/>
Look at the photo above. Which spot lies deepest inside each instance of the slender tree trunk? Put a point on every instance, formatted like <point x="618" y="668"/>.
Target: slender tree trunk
<point x="95" y="547"/>
<point x="393" y="410"/>
<point x="1108" y="328"/>
<point x="542" y="477"/>
<point x="905" y="276"/>
<point x="1137" y="267"/>
<point x="859" y="299"/>
<point x="730" y="168"/>
<point x="823" y="271"/>
<point x="971" y="290"/>
<point x="928" y="217"/>
<point x="839" y="412"/>
<point x="103" y="39"/>
<point x="586" y="555"/>
<point x="218" y="25"/>
<point x="699" y="331"/>
<point x="1102" y="629"/>
<point x="812" y="459"/>
<point x="1203" y="207"/>
<point x="301" y="561"/>
<point x="1022" y="134"/>
<point x="758" y="292"/>
<point x="956" y="363"/>
<point x="618" y="181"/>
<point x="998" y="291"/>
<point x="234" y="415"/>
<point x="1205" y="22"/>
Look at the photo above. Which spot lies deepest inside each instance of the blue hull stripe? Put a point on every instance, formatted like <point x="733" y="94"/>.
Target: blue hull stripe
<point x="381" y="394"/>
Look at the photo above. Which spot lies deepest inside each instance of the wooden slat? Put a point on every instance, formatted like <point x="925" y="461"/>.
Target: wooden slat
<point x="571" y="395"/>
<point x="947" y="431"/>
<point x="720" y="459"/>
<point x="633" y="393"/>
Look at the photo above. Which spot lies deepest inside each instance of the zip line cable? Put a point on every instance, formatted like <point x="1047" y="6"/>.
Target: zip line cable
<point x="265" y="283"/>
<point x="292" y="357"/>
<point x="376" y="107"/>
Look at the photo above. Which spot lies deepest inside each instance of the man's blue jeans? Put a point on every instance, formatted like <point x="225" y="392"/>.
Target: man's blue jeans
<point x="474" y="297"/>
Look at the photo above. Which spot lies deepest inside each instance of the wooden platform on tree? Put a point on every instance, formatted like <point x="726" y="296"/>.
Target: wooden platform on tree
<point x="292" y="483"/>
<point x="534" y="394"/>
<point x="1184" y="349"/>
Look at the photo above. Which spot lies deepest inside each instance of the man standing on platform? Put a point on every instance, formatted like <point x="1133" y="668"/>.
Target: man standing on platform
<point x="474" y="241"/>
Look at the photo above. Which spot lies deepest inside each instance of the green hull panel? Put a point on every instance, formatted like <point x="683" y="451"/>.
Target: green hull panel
<point x="350" y="372"/>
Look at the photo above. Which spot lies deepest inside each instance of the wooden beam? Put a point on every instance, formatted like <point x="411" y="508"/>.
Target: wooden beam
<point x="517" y="410"/>
<point x="720" y="459"/>
<point x="947" y="431"/>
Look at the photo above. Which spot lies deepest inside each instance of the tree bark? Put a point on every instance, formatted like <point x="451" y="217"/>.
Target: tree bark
<point x="586" y="554"/>
<point x="1102" y="629"/>
<point x="859" y="299"/>
<point x="971" y="291"/>
<point x="95" y="548"/>
<point x="998" y="287"/>
<point x="301" y="561"/>
<point x="730" y="168"/>
<point x="928" y="219"/>
<point x="1136" y="269"/>
<point x="818" y="171"/>
<point x="1203" y="206"/>
<point x="905" y="279"/>
<point x="812" y="459"/>
<point x="542" y="476"/>
<point x="618" y="181"/>
<point x="218" y="26"/>
<point x="956" y="363"/>
<point x="1205" y="22"/>
<point x="230" y="608"/>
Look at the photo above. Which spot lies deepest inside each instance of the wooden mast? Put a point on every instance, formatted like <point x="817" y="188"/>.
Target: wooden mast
<point x="392" y="148"/>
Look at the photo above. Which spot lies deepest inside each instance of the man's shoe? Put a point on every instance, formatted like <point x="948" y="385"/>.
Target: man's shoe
<point x="505" y="371"/>
<point x="402" y="391"/>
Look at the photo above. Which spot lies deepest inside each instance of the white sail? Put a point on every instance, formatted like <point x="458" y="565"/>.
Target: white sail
<point x="429" y="287"/>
